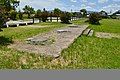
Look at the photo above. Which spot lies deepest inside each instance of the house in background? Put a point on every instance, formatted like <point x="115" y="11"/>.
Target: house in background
<point x="115" y="15"/>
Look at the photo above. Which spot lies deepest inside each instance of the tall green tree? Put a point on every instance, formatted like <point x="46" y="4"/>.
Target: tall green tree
<point x="2" y="16"/>
<point x="38" y="13"/>
<point x="94" y="18"/>
<point x="44" y="15"/>
<point x="9" y="4"/>
<point x="5" y="7"/>
<point x="65" y="17"/>
<point x="28" y="10"/>
<point x="83" y="12"/>
<point x="57" y="12"/>
<point x="20" y="15"/>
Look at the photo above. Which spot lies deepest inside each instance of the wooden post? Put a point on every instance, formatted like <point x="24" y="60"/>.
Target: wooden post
<point x="39" y="20"/>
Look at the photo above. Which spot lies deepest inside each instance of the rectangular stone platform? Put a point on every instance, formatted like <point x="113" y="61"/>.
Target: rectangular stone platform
<point x="61" y="41"/>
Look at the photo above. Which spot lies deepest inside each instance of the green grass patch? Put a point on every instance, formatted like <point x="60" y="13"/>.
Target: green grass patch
<point x="84" y="53"/>
<point x="93" y="53"/>
<point x="80" y="21"/>
<point x="107" y="25"/>
<point x="21" y="33"/>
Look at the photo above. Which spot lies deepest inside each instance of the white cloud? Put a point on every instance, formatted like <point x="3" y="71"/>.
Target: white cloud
<point x="73" y="0"/>
<point x="116" y="0"/>
<point x="92" y="4"/>
<point x="112" y="7"/>
<point x="84" y="1"/>
<point x="102" y="1"/>
<point x="88" y="7"/>
<point x="40" y="4"/>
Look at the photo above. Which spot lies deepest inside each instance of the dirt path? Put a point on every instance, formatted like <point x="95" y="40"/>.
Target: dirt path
<point x="107" y="35"/>
<point x="33" y="26"/>
<point x="61" y="40"/>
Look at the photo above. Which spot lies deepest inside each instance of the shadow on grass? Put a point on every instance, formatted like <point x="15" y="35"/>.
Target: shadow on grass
<point x="5" y="41"/>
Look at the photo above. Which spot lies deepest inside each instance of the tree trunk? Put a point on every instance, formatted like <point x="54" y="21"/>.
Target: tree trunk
<point x="33" y="20"/>
<point x="0" y="28"/>
<point x="57" y="18"/>
<point x="29" y="15"/>
<point x="51" y="18"/>
<point x="39" y="20"/>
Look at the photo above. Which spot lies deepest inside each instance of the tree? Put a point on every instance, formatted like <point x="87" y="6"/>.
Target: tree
<point x="38" y="13"/>
<point x="83" y="12"/>
<point x="28" y="10"/>
<point x="65" y="17"/>
<point x="5" y="7"/>
<point x="13" y="14"/>
<point x="94" y="18"/>
<point x="103" y="14"/>
<point x="15" y="4"/>
<point x="10" y="4"/>
<point x="20" y="15"/>
<point x="2" y="16"/>
<point x="57" y="12"/>
<point x="44" y="15"/>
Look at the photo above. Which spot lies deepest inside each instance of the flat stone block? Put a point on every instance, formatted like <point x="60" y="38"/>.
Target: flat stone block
<point x="86" y="32"/>
<point x="63" y="31"/>
<point x="74" y="26"/>
<point x="91" y="33"/>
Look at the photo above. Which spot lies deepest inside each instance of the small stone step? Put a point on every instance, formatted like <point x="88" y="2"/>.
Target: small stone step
<point x="74" y="26"/>
<point x="37" y="41"/>
<point x="91" y="33"/>
<point x="86" y="32"/>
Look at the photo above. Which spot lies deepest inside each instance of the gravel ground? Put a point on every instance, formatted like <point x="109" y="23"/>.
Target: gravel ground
<point x="61" y="41"/>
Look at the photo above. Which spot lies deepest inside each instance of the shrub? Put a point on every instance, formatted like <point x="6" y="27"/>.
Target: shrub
<point x="65" y="17"/>
<point x="94" y="18"/>
<point x="13" y="15"/>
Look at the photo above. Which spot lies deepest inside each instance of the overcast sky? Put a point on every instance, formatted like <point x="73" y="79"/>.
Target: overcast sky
<point x="75" y="5"/>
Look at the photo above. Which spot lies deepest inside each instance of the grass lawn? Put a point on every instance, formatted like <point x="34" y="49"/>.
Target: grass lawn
<point x="84" y="53"/>
<point x="21" y="33"/>
<point x="107" y="25"/>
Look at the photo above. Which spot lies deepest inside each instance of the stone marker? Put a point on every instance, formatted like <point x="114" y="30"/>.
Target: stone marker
<point x="86" y="32"/>
<point x="91" y="33"/>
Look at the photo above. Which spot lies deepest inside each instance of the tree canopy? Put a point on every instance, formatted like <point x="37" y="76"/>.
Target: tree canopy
<point x="28" y="10"/>
<point x="5" y="7"/>
<point x="57" y="11"/>
<point x="84" y="12"/>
